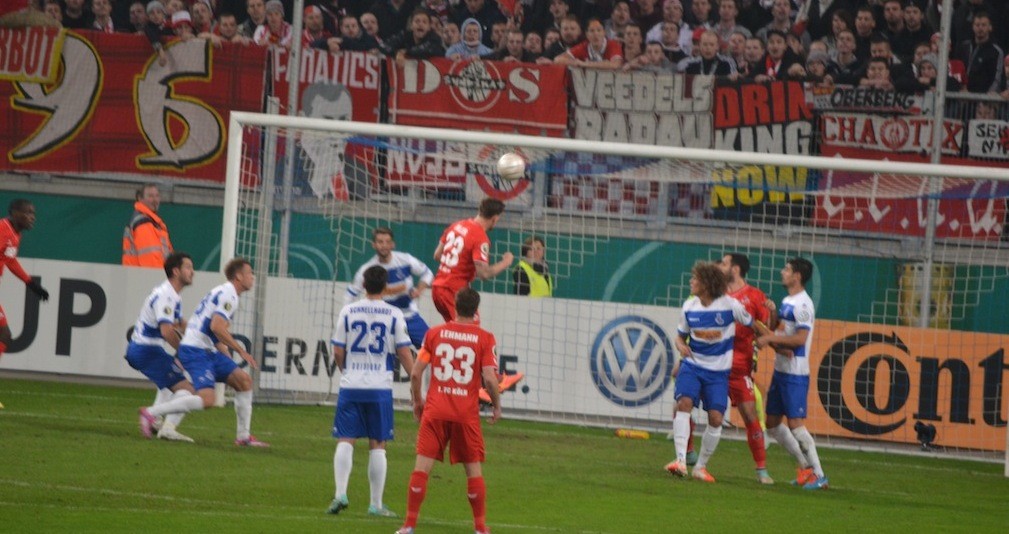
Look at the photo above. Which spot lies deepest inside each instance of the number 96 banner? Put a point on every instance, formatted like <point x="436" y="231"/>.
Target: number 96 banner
<point x="114" y="107"/>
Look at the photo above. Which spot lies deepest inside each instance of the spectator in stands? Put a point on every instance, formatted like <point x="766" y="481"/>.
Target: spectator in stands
<point x="847" y="67"/>
<point x="926" y="72"/>
<point x="596" y="52"/>
<point x="708" y="61"/>
<point x="227" y="30"/>
<point x="963" y="18"/>
<point x="256" y="9"/>
<point x="735" y="48"/>
<point x="54" y="9"/>
<point x="145" y="240"/>
<point x="550" y="37"/>
<point x="314" y="27"/>
<point x="877" y="75"/>
<point x="781" y="19"/>
<point x="276" y="31"/>
<point x="653" y="60"/>
<point x="700" y="15"/>
<point x="182" y="25"/>
<point x="865" y="28"/>
<point x="514" y="49"/>
<point x="816" y="68"/>
<point x="369" y="25"/>
<point x="919" y="52"/>
<point x="780" y="62"/>
<point x="619" y="19"/>
<point x="557" y="12"/>
<point x="439" y="9"/>
<point x="916" y="31"/>
<point x="670" y="41"/>
<point x="534" y="45"/>
<point x="633" y="42"/>
<point x="203" y="16"/>
<point x="646" y="14"/>
<point x="419" y="42"/>
<point x="157" y="27"/>
<point x="752" y="15"/>
<point x="450" y="35"/>
<point x="392" y="16"/>
<point x="471" y="45"/>
<point x="893" y="18"/>
<point x="76" y="17"/>
<point x="753" y="51"/>
<point x="485" y="12"/>
<point x="138" y="15"/>
<point x="352" y="38"/>
<point x="174" y="6"/>
<point x="841" y="20"/>
<point x="101" y="11"/>
<point x="499" y="35"/>
<point x="727" y="25"/>
<point x="982" y="57"/>
<point x="880" y="48"/>
<point x="817" y="16"/>
<point x="672" y="11"/>
<point x="571" y="35"/>
<point x="532" y="275"/>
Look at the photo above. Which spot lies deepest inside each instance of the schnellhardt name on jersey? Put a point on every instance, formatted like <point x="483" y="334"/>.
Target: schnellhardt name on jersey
<point x="459" y="336"/>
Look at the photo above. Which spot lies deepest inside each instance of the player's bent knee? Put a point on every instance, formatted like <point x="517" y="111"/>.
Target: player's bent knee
<point x="240" y="380"/>
<point x="714" y="418"/>
<point x="208" y="396"/>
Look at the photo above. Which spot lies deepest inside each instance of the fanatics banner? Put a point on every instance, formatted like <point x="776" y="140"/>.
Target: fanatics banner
<point x="479" y="95"/>
<point x="116" y="109"/>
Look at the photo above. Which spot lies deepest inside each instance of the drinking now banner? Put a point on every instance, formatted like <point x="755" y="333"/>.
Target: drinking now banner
<point x="113" y="107"/>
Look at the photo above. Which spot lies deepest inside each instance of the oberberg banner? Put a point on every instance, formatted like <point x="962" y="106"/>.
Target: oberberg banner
<point x="112" y="107"/>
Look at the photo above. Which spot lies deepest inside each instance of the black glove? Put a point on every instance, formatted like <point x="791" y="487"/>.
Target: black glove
<point x="38" y="290"/>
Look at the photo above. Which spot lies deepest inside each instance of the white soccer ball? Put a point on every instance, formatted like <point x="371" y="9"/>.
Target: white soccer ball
<point x="511" y="166"/>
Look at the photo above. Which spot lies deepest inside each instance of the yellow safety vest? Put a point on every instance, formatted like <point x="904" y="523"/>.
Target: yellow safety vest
<point x="539" y="285"/>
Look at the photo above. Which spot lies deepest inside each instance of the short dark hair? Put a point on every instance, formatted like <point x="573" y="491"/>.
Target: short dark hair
<point x="375" y="279"/>
<point x="802" y="266"/>
<point x="467" y="301"/>
<point x="140" y="190"/>
<point x="711" y="277"/>
<point x="740" y="260"/>
<point x="878" y="38"/>
<point x="490" y="207"/>
<point x="18" y="205"/>
<point x="382" y="230"/>
<point x="232" y="267"/>
<point x="174" y="261"/>
<point x="527" y="245"/>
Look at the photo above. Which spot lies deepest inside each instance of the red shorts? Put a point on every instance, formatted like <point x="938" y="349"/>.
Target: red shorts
<point x="3" y="317"/>
<point x="444" y="302"/>
<point x="740" y="389"/>
<point x="466" y="438"/>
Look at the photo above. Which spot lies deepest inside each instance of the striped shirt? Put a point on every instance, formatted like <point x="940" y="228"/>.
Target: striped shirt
<point x="712" y="330"/>
<point x="402" y="267"/>
<point x="162" y="306"/>
<point x="796" y="313"/>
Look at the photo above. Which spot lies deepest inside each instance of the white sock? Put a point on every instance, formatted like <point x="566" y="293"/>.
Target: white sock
<point x="163" y="395"/>
<point x="376" y="476"/>
<point x="243" y="413"/>
<point x="809" y="447"/>
<point x="781" y="434"/>
<point x="712" y="435"/>
<point x="681" y="434"/>
<point x="182" y="402"/>
<point x="343" y="462"/>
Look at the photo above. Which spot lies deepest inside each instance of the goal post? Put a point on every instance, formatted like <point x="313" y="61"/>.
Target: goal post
<point x="622" y="225"/>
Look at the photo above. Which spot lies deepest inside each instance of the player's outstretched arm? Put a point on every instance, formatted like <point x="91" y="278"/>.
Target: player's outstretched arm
<point x="486" y="272"/>
<point x="17" y="270"/>
<point x="491" y="385"/>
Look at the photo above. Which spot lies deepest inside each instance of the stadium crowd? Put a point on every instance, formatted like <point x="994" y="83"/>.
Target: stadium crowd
<point x="888" y="44"/>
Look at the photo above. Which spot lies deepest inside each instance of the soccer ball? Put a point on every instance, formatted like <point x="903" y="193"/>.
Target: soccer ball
<point x="511" y="166"/>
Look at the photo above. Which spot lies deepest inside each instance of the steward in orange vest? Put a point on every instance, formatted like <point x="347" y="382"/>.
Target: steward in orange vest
<point x="145" y="239"/>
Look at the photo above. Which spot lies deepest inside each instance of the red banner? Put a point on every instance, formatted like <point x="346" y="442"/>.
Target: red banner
<point x="359" y="73"/>
<point x="30" y="54"/>
<point x="479" y="95"/>
<point x="115" y="108"/>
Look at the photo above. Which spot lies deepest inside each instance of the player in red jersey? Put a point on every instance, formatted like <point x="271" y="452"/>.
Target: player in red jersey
<point x="741" y="388"/>
<point x="459" y="352"/>
<point x="20" y="218"/>
<point x="464" y="253"/>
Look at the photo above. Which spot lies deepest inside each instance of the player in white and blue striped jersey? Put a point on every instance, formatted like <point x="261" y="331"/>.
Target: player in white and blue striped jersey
<point x="400" y="290"/>
<point x="157" y="328"/>
<point x="705" y="342"/>
<point x="370" y="336"/>
<point x="786" y="398"/>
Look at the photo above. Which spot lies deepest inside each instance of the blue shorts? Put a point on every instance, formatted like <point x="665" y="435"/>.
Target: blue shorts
<point x="787" y="395"/>
<point x="206" y="367"/>
<point x="699" y="384"/>
<point x="155" y="363"/>
<point x="364" y="414"/>
<point x="416" y="328"/>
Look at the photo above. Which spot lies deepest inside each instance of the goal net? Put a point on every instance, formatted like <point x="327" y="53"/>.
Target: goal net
<point x="910" y="268"/>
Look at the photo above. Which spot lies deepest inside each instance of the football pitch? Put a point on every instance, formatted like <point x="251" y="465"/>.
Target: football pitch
<point x="72" y="459"/>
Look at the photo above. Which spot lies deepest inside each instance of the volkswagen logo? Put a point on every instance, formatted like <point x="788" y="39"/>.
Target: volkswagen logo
<point x="631" y="361"/>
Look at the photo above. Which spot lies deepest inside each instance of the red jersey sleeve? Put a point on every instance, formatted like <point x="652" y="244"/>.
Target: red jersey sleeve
<point x="481" y="248"/>
<point x="580" y="51"/>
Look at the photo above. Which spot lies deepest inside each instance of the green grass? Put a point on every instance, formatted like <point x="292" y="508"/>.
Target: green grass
<point x="73" y="460"/>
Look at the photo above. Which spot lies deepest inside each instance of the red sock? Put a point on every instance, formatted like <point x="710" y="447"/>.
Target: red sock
<point x="476" y="492"/>
<point x="690" y="439"/>
<point x="415" y="497"/>
<point x="755" y="439"/>
<point x="3" y="348"/>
